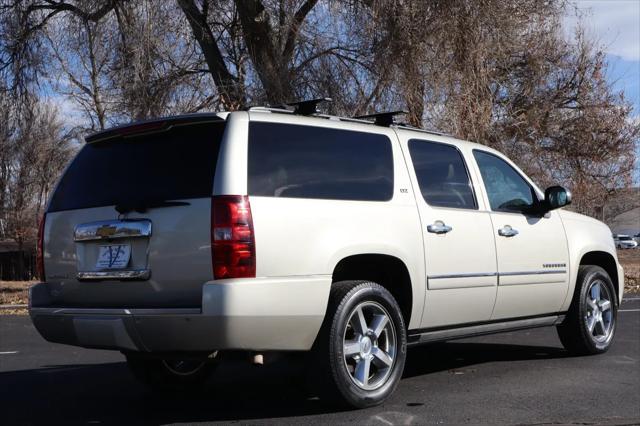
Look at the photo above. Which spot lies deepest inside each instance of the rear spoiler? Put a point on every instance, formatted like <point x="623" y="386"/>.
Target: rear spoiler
<point x="154" y="125"/>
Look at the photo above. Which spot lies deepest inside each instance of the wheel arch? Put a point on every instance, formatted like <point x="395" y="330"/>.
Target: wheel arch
<point x="387" y="270"/>
<point x="607" y="262"/>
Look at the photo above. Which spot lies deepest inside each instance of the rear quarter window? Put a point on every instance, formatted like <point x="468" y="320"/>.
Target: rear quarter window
<point x="315" y="162"/>
<point x="178" y="163"/>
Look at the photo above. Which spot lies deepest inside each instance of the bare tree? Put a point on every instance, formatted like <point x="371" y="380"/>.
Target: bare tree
<point x="498" y="72"/>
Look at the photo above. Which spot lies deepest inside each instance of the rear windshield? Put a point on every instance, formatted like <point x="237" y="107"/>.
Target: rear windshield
<point x="175" y="164"/>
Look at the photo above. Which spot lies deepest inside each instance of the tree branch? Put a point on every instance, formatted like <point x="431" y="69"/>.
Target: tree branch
<point x="60" y="6"/>
<point x="226" y="83"/>
<point x="294" y="29"/>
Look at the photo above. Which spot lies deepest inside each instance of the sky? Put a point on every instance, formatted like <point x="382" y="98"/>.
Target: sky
<point x="615" y="24"/>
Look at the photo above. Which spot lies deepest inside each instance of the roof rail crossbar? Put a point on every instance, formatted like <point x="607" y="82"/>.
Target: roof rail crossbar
<point x="308" y="107"/>
<point x="385" y="119"/>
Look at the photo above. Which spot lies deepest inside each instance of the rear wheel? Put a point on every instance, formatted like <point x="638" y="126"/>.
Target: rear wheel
<point x="170" y="374"/>
<point x="361" y="348"/>
<point x="591" y="321"/>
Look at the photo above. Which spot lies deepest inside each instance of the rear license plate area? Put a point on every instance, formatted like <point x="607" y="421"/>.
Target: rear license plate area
<point x="113" y="256"/>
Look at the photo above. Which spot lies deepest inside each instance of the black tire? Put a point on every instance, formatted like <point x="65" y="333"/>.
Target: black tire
<point x="574" y="332"/>
<point x="170" y="375"/>
<point x="336" y="373"/>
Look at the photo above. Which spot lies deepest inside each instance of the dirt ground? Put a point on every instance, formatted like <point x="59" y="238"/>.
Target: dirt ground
<point x="16" y="292"/>
<point x="630" y="261"/>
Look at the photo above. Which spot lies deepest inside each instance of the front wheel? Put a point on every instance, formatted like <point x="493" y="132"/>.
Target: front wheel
<point x="361" y="348"/>
<point x="591" y="321"/>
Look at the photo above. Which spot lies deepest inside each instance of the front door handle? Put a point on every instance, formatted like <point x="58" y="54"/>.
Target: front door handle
<point x="507" y="231"/>
<point x="438" y="227"/>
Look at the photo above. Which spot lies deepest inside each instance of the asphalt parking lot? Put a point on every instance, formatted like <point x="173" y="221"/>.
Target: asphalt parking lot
<point x="514" y="378"/>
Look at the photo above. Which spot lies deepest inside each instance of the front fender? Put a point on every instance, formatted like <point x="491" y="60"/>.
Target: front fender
<point x="586" y="235"/>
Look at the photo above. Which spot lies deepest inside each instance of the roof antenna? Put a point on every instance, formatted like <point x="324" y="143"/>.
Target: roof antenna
<point x="384" y="119"/>
<point x="308" y="107"/>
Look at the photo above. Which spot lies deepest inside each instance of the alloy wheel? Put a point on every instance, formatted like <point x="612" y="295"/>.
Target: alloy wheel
<point x="369" y="345"/>
<point x="599" y="318"/>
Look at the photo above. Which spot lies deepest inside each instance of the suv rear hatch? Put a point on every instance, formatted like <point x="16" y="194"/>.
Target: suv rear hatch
<point x="129" y="223"/>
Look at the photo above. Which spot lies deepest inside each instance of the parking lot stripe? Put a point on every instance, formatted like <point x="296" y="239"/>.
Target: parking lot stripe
<point x="8" y="353"/>
<point x="628" y="310"/>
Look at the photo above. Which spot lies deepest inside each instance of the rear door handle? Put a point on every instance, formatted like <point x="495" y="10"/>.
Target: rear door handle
<point x="507" y="231"/>
<point x="438" y="227"/>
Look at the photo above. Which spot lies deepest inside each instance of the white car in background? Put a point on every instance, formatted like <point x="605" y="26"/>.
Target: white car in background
<point x="624" y="242"/>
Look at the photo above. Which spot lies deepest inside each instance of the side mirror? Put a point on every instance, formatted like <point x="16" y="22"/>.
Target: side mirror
<point x="556" y="197"/>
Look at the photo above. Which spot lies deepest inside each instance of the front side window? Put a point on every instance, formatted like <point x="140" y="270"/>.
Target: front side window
<point x="506" y="188"/>
<point x="442" y="175"/>
<point x="316" y="162"/>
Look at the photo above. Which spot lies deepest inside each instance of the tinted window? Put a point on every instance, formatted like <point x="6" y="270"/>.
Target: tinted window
<point x="176" y="164"/>
<point x="506" y="189"/>
<point x="442" y="175"/>
<point x="316" y="162"/>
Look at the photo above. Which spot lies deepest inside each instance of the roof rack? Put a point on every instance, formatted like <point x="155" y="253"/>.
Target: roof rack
<point x="419" y="129"/>
<point x="309" y="108"/>
<point x="385" y="119"/>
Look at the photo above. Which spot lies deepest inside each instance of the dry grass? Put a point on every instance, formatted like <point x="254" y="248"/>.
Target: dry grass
<point x="14" y="293"/>
<point x="630" y="261"/>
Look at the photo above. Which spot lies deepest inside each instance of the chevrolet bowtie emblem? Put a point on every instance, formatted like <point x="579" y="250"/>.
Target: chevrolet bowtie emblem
<point x="106" y="231"/>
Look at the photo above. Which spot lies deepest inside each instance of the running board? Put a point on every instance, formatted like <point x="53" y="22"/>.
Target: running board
<point x="417" y="337"/>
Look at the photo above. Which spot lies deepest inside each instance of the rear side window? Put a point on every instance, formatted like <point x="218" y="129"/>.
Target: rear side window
<point x="315" y="162"/>
<point x="178" y="163"/>
<point x="442" y="175"/>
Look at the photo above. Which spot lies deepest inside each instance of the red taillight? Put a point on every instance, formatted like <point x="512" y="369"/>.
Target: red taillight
<point x="233" y="247"/>
<point x="40" y="249"/>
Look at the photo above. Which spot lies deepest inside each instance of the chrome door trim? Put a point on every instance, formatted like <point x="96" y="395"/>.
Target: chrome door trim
<point x="115" y="311"/>
<point x="545" y="272"/>
<point x="470" y="275"/>
<point x="138" y="274"/>
<point x="499" y="274"/>
<point x="112" y="229"/>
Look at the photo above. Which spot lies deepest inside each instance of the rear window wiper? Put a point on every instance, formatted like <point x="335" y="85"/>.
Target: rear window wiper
<point x="143" y="206"/>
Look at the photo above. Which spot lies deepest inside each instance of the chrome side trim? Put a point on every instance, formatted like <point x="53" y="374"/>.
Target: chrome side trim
<point x="546" y="272"/>
<point x="115" y="311"/>
<point x="493" y="274"/>
<point x="138" y="274"/>
<point x="470" y="275"/>
<point x="477" y="330"/>
<point x="112" y="229"/>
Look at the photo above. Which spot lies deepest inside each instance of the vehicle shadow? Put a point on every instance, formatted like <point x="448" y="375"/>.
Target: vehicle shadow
<point x="457" y="356"/>
<point x="107" y="393"/>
